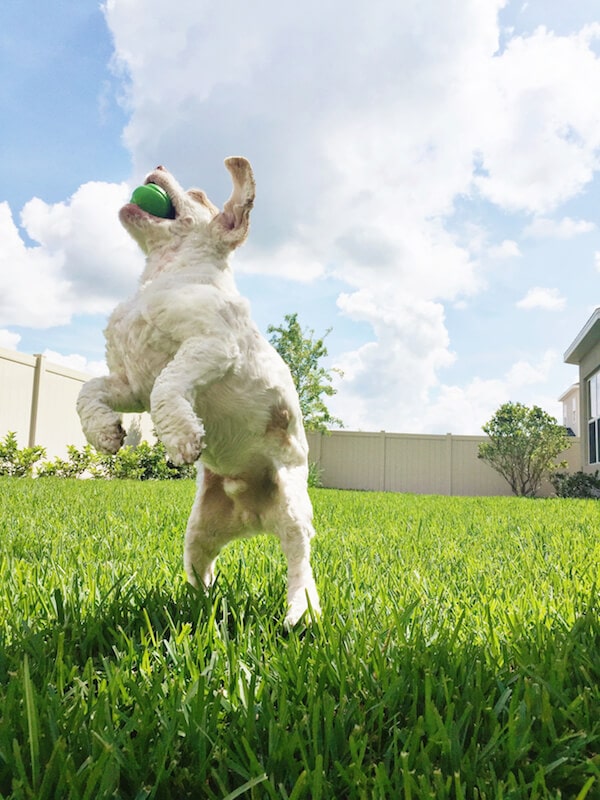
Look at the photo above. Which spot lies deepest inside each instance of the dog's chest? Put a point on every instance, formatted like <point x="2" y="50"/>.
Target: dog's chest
<point x="135" y="344"/>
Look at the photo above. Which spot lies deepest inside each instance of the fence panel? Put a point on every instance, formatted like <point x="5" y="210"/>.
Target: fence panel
<point x="355" y="460"/>
<point x="17" y="374"/>
<point x="416" y="463"/>
<point x="37" y="402"/>
<point x="470" y="475"/>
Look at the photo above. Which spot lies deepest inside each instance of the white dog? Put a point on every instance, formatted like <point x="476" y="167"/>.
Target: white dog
<point x="185" y="349"/>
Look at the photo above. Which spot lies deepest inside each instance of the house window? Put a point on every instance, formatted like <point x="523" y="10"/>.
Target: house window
<point x="594" y="418"/>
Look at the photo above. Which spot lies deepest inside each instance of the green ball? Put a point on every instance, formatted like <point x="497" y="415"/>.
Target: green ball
<point x="154" y="200"/>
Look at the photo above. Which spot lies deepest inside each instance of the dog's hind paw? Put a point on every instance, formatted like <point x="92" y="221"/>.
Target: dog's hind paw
<point x="304" y="605"/>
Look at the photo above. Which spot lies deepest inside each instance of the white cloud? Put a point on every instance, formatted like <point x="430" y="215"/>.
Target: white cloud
<point x="506" y="249"/>
<point x="291" y="260"/>
<point x="441" y="408"/>
<point x="77" y="362"/>
<point x="523" y="373"/>
<point x="540" y="297"/>
<point x="540" y="146"/>
<point x="97" y="256"/>
<point x="565" y="228"/>
<point x="365" y="124"/>
<point x="31" y="285"/>
<point x="386" y="382"/>
<point x="81" y="261"/>
<point x="9" y="340"/>
<point x="464" y="409"/>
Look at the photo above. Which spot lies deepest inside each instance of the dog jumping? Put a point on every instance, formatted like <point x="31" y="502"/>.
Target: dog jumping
<point x="185" y="348"/>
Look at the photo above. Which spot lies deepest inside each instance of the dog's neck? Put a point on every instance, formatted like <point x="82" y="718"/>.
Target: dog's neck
<point x="189" y="268"/>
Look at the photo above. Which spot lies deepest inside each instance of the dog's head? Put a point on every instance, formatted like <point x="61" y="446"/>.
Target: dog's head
<point x="194" y="214"/>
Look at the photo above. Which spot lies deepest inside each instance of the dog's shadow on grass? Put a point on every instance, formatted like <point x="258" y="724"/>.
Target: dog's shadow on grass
<point x="131" y="616"/>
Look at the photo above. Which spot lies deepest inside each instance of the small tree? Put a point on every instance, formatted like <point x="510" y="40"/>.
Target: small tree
<point x="303" y="353"/>
<point x="523" y="443"/>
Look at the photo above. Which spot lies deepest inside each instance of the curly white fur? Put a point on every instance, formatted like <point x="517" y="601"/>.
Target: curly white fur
<point x="185" y="349"/>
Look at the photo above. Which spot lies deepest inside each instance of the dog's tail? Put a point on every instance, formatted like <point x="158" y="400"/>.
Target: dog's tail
<point x="234" y="487"/>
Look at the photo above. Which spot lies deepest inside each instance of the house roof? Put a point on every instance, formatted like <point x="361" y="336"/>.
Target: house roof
<point x="574" y="387"/>
<point x="587" y="337"/>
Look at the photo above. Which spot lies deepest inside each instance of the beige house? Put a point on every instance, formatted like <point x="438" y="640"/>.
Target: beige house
<point x="570" y="404"/>
<point x="584" y="351"/>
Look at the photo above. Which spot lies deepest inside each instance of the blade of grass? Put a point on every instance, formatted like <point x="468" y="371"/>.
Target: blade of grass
<point x="32" y="724"/>
<point x="246" y="787"/>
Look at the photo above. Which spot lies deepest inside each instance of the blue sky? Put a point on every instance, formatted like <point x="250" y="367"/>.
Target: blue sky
<point x="427" y="182"/>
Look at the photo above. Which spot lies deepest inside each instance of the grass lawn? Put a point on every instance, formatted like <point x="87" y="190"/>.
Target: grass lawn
<point x="458" y="655"/>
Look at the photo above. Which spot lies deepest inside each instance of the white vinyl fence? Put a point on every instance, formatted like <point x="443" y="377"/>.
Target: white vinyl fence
<point x="419" y="463"/>
<point x="37" y="401"/>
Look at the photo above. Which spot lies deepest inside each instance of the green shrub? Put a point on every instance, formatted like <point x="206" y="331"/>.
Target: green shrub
<point x="78" y="462"/>
<point x="315" y="475"/>
<point x="578" y="484"/>
<point x="18" y="462"/>
<point x="143" y="462"/>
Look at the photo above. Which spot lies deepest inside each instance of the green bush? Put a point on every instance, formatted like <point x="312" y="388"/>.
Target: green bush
<point x="18" y="462"/>
<point x="314" y="475"/>
<point x="78" y="462"/>
<point x="143" y="462"/>
<point x="579" y="484"/>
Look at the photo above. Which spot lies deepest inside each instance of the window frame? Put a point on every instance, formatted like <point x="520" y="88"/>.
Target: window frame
<point x="593" y="413"/>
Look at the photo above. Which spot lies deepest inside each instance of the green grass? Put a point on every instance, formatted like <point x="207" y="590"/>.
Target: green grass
<point x="458" y="655"/>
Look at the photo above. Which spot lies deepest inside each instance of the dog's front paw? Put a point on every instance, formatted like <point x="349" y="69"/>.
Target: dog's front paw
<point x="184" y="449"/>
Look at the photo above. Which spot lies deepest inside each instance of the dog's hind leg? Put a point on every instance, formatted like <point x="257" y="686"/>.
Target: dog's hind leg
<point x="291" y="520"/>
<point x="209" y="528"/>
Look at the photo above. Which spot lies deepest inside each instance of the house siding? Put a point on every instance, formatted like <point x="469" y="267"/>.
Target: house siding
<point x="589" y="364"/>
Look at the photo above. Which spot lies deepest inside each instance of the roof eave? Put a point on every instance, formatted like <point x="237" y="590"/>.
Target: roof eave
<point x="580" y="345"/>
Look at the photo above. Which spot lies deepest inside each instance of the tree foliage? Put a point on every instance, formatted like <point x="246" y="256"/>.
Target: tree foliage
<point x="302" y="352"/>
<point x="523" y="443"/>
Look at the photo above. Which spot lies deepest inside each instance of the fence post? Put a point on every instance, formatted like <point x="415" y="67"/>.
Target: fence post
<point x="38" y="382"/>
<point x="449" y="462"/>
<point x="382" y="437"/>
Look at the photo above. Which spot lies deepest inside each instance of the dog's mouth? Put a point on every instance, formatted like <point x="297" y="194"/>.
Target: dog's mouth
<point x="155" y="179"/>
<point x="156" y="208"/>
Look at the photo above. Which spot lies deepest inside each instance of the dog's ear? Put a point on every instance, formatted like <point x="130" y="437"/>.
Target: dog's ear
<point x="233" y="222"/>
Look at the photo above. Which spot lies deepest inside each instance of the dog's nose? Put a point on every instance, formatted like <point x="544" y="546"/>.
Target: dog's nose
<point x="160" y="166"/>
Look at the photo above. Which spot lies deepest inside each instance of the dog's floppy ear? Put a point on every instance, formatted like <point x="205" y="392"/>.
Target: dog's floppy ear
<point x="233" y="222"/>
